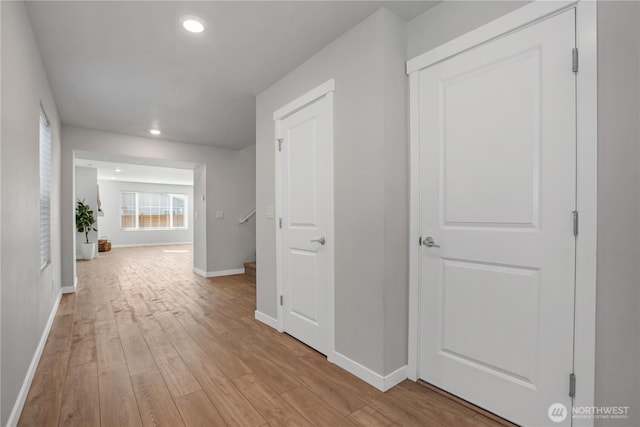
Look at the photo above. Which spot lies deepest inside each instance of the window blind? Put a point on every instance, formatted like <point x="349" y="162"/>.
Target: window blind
<point x="45" y="191"/>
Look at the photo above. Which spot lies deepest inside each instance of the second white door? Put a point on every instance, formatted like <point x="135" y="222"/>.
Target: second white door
<point x="498" y="190"/>
<point x="306" y="222"/>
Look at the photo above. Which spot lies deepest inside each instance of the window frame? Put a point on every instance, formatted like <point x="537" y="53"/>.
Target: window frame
<point x="136" y="206"/>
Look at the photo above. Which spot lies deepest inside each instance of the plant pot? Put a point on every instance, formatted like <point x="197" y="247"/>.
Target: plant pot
<point x="88" y="250"/>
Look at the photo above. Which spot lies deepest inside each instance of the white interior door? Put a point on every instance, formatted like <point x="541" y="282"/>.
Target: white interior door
<point x="497" y="195"/>
<point x="306" y="215"/>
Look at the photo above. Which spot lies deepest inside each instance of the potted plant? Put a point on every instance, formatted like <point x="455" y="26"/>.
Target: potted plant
<point x="84" y="224"/>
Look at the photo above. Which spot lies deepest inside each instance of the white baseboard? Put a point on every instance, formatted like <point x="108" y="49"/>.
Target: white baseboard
<point x="26" y="384"/>
<point x="137" y="245"/>
<point x="218" y="273"/>
<point x="267" y="320"/>
<point x="68" y="289"/>
<point x="382" y="383"/>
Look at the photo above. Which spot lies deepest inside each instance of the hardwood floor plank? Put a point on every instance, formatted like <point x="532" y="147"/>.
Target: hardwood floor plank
<point x="42" y="407"/>
<point x="341" y="400"/>
<point x="174" y="371"/>
<point x="435" y="406"/>
<point x="314" y="409"/>
<point x="181" y="339"/>
<point x="232" y="405"/>
<point x="83" y="343"/>
<point x="81" y="401"/>
<point x="277" y="379"/>
<point x="103" y="312"/>
<point x="67" y="303"/>
<point x="136" y="352"/>
<point x="198" y="411"/>
<point x="399" y="412"/>
<point x="157" y="408"/>
<point x="178" y="377"/>
<point x="225" y="359"/>
<point x="271" y="406"/>
<point x="59" y="339"/>
<point x="109" y="351"/>
<point x="118" y="405"/>
<point x="369" y="417"/>
<point x="166" y="320"/>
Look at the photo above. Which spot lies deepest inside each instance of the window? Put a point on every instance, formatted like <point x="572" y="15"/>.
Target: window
<point x="45" y="191"/>
<point x="153" y="211"/>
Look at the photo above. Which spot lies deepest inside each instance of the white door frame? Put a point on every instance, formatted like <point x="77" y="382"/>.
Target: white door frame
<point x="324" y="90"/>
<point x="587" y="169"/>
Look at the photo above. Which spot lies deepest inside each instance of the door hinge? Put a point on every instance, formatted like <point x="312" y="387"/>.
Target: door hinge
<point x="280" y="144"/>
<point x="280" y="222"/>
<point x="575" y="223"/>
<point x="574" y="60"/>
<point x="420" y="241"/>
<point x="281" y="300"/>
<point x="572" y="385"/>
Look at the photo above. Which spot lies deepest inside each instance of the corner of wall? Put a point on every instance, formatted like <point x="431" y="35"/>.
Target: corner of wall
<point x="396" y="193"/>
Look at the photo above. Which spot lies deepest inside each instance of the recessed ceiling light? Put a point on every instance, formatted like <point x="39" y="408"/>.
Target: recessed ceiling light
<point x="193" y="24"/>
<point x="154" y="131"/>
<point x="118" y="170"/>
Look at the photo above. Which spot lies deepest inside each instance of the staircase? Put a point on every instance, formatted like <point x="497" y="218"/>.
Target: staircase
<point x="250" y="270"/>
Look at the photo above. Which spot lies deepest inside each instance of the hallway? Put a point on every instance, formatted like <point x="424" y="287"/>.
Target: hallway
<point x="144" y="341"/>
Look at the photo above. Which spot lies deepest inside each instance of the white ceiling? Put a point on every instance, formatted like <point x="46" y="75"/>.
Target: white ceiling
<point x="138" y="173"/>
<point x="129" y="66"/>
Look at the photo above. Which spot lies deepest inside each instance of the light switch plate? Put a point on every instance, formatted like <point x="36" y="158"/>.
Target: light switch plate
<point x="270" y="212"/>
<point x="219" y="214"/>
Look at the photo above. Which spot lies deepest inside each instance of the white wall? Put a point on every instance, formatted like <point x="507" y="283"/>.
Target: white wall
<point x="109" y="222"/>
<point x="86" y="185"/>
<point x="229" y="186"/>
<point x="371" y="191"/>
<point x="199" y="209"/>
<point x="451" y="19"/>
<point x="28" y="295"/>
<point x="618" y="282"/>
<point x="618" y="277"/>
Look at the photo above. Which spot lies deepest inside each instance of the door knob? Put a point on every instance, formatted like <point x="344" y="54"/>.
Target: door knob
<point x="429" y="242"/>
<point x="319" y="240"/>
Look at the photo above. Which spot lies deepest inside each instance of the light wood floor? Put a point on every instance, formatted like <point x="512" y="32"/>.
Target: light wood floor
<point x="144" y="341"/>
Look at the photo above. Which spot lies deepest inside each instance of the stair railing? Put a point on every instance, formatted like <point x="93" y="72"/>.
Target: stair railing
<point x="247" y="216"/>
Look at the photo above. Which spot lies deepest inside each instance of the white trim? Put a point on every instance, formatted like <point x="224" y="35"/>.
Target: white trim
<point x="26" y="384"/>
<point x="506" y="24"/>
<point x="587" y="204"/>
<point x="587" y="167"/>
<point x="218" y="273"/>
<point x="331" y="320"/>
<point x="266" y="319"/>
<point x="141" y="245"/>
<point x="307" y="98"/>
<point x="68" y="289"/>
<point x="414" y="225"/>
<point x="382" y="383"/>
<point x="278" y="203"/>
